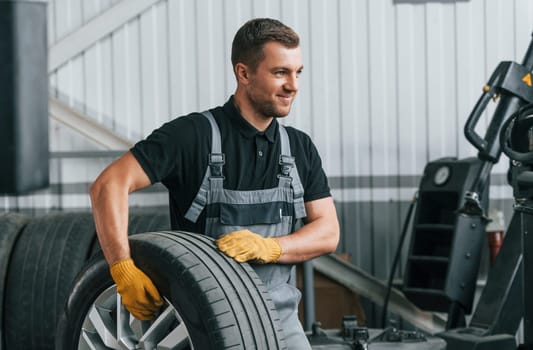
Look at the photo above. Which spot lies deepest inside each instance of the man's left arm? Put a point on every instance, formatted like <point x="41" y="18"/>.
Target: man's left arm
<point x="319" y="236"/>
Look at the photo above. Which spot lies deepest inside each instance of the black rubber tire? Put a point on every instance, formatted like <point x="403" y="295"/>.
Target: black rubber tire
<point x="223" y="304"/>
<point x="46" y="258"/>
<point x="141" y="221"/>
<point x="11" y="224"/>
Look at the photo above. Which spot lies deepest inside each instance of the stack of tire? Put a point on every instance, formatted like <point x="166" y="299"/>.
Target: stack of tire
<point x="56" y="291"/>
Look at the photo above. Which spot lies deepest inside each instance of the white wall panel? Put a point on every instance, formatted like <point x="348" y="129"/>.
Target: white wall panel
<point x="440" y="81"/>
<point x="396" y="79"/>
<point x="51" y="27"/>
<point x="134" y="84"/>
<point x="298" y="17"/>
<point x="209" y="53"/>
<point x="121" y="71"/>
<point x="92" y="82"/>
<point x="386" y="87"/>
<point x="382" y="97"/>
<point x="355" y="92"/>
<point x="410" y="68"/>
<point x="471" y="71"/>
<point x="90" y="9"/>
<point x="105" y="90"/>
<point x="352" y="90"/>
<point x="182" y="95"/>
<point x="325" y="102"/>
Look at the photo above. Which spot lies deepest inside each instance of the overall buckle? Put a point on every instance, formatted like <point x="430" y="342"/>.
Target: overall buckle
<point x="287" y="163"/>
<point x="216" y="163"/>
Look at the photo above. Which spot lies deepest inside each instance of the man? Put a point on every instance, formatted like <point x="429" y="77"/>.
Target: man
<point x="232" y="173"/>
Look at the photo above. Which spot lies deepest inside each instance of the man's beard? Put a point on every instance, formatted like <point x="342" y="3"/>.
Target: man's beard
<point x="269" y="109"/>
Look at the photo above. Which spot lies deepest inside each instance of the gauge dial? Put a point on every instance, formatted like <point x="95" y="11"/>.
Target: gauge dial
<point x="441" y="175"/>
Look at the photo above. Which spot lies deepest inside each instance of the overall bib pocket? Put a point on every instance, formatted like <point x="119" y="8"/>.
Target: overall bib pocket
<point x="250" y="214"/>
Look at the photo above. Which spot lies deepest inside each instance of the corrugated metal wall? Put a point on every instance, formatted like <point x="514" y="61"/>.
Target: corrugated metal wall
<point x="387" y="87"/>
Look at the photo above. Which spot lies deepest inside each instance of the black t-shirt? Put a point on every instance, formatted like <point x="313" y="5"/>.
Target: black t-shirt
<point x="177" y="153"/>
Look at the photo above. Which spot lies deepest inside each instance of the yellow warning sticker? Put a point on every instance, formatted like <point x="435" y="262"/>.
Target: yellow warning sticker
<point x="527" y="79"/>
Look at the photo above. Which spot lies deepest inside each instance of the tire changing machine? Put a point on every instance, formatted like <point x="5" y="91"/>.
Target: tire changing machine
<point x="449" y="229"/>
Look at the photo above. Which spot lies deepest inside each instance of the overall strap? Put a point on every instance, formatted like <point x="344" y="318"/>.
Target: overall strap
<point x="289" y="174"/>
<point x="213" y="172"/>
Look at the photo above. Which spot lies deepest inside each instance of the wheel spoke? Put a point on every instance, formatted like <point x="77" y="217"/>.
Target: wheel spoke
<point x="90" y="341"/>
<point x="177" y="339"/>
<point x="101" y="320"/>
<point x="108" y="325"/>
<point x="125" y="334"/>
<point x="158" y="329"/>
<point x="166" y="332"/>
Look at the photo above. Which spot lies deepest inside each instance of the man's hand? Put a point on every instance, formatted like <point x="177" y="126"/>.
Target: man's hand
<point x="245" y="245"/>
<point x="139" y="295"/>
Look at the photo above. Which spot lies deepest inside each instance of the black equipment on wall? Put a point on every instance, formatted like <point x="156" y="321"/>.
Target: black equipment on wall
<point x="24" y="150"/>
<point x="506" y="298"/>
<point x="444" y="254"/>
<point x="516" y="138"/>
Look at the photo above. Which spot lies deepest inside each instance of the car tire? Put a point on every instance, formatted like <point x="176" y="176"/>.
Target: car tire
<point x="11" y="224"/>
<point x="141" y="221"/>
<point x="47" y="256"/>
<point x="212" y="302"/>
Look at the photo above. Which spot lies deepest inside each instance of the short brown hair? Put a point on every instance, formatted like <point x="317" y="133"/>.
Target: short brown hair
<point x="248" y="42"/>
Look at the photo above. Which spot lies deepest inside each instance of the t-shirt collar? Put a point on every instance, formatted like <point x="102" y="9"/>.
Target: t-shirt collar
<point x="247" y="129"/>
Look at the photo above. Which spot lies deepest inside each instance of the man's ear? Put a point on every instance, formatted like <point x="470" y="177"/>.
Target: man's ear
<point x="242" y="72"/>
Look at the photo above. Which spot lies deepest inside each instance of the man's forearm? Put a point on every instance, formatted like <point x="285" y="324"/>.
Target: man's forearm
<point x="110" y="211"/>
<point x="109" y="198"/>
<point x="319" y="236"/>
<point x="314" y="239"/>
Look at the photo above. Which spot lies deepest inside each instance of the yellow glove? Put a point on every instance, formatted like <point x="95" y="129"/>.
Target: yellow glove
<point x="139" y="295"/>
<point x="245" y="245"/>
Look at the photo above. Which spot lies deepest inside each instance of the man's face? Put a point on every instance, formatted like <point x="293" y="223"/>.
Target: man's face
<point x="274" y="84"/>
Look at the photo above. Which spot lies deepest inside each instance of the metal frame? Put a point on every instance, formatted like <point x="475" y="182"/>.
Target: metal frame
<point x="99" y="27"/>
<point x="84" y="125"/>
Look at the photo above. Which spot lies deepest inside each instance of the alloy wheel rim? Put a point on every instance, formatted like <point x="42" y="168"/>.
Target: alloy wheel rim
<point x="108" y="325"/>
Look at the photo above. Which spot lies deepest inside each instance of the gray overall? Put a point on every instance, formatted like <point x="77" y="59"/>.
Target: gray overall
<point x="269" y="212"/>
